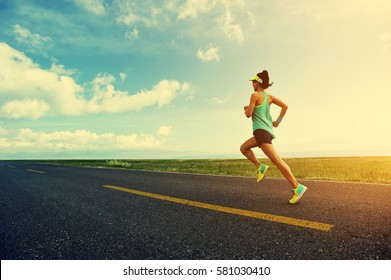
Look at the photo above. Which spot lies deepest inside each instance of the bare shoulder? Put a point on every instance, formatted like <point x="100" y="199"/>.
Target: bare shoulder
<point x="270" y="98"/>
<point x="254" y="96"/>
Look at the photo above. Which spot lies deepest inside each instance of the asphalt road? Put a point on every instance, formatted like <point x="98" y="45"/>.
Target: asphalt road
<point x="61" y="212"/>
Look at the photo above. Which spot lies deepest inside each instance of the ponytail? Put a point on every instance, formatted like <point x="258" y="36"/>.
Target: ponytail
<point x="264" y="75"/>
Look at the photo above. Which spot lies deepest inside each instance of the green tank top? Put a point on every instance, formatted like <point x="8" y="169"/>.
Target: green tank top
<point x="261" y="116"/>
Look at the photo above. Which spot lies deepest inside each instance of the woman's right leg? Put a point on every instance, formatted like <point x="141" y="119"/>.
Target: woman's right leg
<point x="298" y="189"/>
<point x="271" y="153"/>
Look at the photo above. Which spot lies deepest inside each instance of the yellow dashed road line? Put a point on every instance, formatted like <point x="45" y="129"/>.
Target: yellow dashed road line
<point x="236" y="211"/>
<point x="36" y="171"/>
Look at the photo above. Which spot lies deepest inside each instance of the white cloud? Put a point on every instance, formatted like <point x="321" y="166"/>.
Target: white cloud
<point x="52" y="92"/>
<point x="123" y="76"/>
<point x="132" y="34"/>
<point x="211" y="54"/>
<point x="152" y="15"/>
<point x="26" y="108"/>
<point x="28" y="141"/>
<point x="107" y="99"/>
<point x="34" y="42"/>
<point x="230" y="28"/>
<point x="164" y="130"/>
<point x="93" y="6"/>
<point x="226" y="22"/>
<point x="192" y="8"/>
<point x="228" y="14"/>
<point x="60" y="70"/>
<point x="21" y="80"/>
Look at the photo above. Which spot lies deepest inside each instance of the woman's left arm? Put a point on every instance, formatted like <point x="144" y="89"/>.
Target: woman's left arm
<point x="284" y="108"/>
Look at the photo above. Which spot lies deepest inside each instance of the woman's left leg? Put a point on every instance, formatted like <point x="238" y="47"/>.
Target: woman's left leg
<point x="248" y="153"/>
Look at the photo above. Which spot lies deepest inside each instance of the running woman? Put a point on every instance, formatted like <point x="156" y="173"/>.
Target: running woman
<point x="259" y="111"/>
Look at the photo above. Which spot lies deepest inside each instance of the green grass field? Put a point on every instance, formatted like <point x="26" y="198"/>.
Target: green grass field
<point x="353" y="169"/>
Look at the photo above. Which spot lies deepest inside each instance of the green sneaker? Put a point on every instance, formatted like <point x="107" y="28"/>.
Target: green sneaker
<point x="261" y="171"/>
<point x="297" y="193"/>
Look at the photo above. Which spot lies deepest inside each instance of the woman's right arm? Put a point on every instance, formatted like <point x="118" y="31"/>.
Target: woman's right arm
<point x="248" y="110"/>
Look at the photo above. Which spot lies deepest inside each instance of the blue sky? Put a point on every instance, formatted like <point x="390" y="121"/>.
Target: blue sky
<point x="169" y="79"/>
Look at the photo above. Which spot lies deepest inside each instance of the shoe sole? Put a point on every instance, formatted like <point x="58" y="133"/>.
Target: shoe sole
<point x="304" y="190"/>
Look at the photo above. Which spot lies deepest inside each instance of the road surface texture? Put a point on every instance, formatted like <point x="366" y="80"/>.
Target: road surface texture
<point x="61" y="212"/>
